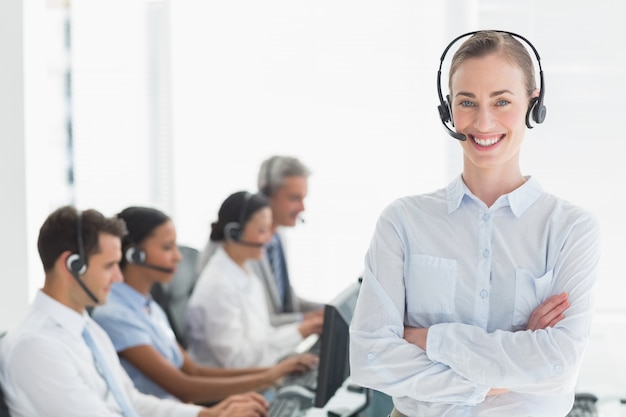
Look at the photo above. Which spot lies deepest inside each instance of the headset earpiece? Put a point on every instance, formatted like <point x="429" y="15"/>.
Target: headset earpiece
<point x="267" y="189"/>
<point x="444" y="111"/>
<point x="537" y="111"/>
<point x="135" y="255"/>
<point x="232" y="231"/>
<point x="75" y="264"/>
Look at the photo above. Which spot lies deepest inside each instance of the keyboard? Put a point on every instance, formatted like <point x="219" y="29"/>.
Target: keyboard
<point x="284" y="407"/>
<point x="584" y="406"/>
<point x="317" y="347"/>
<point x="307" y="380"/>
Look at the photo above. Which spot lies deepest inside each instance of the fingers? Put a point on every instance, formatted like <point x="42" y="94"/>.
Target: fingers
<point x="244" y="398"/>
<point x="245" y="409"/>
<point x="302" y="362"/>
<point x="315" y="313"/>
<point x="549" y="313"/>
<point x="308" y="361"/>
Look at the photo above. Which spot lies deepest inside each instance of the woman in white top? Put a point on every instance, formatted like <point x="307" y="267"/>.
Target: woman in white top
<point x="228" y="321"/>
<point x="477" y="298"/>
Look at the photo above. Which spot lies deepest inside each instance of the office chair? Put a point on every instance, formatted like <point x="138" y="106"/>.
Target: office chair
<point x="174" y="296"/>
<point x="4" y="410"/>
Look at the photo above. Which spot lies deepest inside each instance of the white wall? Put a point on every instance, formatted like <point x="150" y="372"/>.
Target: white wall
<point x="14" y="284"/>
<point x="334" y="83"/>
<point x="25" y="163"/>
<point x="348" y="86"/>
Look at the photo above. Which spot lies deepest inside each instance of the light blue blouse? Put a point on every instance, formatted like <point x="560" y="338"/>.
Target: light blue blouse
<point x="129" y="323"/>
<point x="472" y="275"/>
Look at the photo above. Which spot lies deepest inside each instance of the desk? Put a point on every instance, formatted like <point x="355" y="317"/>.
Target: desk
<point x="346" y="403"/>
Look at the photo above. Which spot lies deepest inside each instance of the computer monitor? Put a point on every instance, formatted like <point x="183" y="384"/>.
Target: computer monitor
<point x="334" y="366"/>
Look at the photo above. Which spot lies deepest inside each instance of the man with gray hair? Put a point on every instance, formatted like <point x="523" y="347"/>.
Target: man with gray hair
<point x="284" y="181"/>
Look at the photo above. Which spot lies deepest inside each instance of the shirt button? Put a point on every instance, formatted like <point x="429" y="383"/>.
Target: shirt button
<point x="558" y="369"/>
<point x="486" y="253"/>
<point x="484" y="294"/>
<point x="370" y="357"/>
<point x="486" y="216"/>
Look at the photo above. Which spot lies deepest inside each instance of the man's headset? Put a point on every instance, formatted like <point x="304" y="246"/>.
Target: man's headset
<point x="77" y="262"/>
<point x="267" y="188"/>
<point x="536" y="109"/>
<point x="233" y="231"/>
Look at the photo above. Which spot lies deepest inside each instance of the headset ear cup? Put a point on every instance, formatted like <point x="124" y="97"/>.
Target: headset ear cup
<point x="232" y="231"/>
<point x="539" y="112"/>
<point x="532" y="106"/>
<point x="135" y="256"/>
<point x="445" y="112"/>
<point x="449" y="109"/>
<point x="75" y="264"/>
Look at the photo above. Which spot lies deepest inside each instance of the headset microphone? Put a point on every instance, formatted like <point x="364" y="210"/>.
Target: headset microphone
<point x="137" y="256"/>
<point x="76" y="262"/>
<point x="232" y="233"/>
<point x="158" y="268"/>
<point x="250" y="244"/>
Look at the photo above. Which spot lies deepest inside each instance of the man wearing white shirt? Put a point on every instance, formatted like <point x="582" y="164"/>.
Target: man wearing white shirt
<point x="46" y="365"/>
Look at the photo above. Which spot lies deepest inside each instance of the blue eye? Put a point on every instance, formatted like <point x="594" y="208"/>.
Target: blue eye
<point x="502" y="102"/>
<point x="466" y="103"/>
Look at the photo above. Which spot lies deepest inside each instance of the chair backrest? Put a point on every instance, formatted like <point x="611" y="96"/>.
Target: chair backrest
<point x="174" y="296"/>
<point x="4" y="410"/>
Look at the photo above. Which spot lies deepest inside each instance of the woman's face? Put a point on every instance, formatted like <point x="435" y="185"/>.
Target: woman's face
<point x="162" y="251"/>
<point x="489" y="104"/>
<point x="258" y="229"/>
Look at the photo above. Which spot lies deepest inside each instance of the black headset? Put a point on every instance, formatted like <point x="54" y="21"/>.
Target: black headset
<point x="536" y="108"/>
<point x="234" y="230"/>
<point x="266" y="190"/>
<point x="77" y="262"/>
<point x="135" y="255"/>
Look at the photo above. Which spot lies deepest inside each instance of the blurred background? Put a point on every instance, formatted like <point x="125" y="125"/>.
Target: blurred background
<point x="174" y="104"/>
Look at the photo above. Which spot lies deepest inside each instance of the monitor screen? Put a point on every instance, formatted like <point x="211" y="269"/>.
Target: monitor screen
<point x="334" y="366"/>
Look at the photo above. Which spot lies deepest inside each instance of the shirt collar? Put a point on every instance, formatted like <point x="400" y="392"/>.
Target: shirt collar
<point x="241" y="277"/>
<point x="61" y="314"/>
<point x="130" y="295"/>
<point x="519" y="199"/>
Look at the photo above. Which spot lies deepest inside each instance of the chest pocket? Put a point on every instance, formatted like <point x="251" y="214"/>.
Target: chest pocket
<point x="530" y="291"/>
<point x="431" y="286"/>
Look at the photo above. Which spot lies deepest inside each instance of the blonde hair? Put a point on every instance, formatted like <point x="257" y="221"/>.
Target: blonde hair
<point x="493" y="42"/>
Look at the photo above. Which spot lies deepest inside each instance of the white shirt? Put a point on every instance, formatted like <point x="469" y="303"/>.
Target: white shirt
<point x="473" y="275"/>
<point x="228" y="321"/>
<point x="47" y="369"/>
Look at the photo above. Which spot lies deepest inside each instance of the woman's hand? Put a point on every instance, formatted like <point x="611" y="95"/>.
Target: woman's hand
<point x="416" y="336"/>
<point x="250" y="404"/>
<point x="549" y="313"/>
<point x="302" y="362"/>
